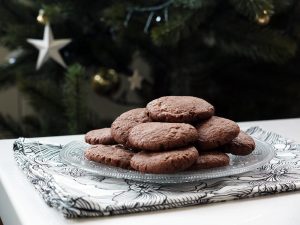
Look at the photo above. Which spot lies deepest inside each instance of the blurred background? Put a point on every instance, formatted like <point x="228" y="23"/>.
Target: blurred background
<point x="70" y="66"/>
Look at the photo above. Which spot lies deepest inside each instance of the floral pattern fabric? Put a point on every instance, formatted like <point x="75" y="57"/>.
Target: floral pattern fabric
<point x="77" y="193"/>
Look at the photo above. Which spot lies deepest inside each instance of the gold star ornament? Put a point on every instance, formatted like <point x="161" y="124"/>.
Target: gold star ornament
<point x="135" y="81"/>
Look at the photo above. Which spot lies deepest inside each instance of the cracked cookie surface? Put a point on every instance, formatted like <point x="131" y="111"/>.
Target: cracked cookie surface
<point x="179" y="109"/>
<point x="243" y="144"/>
<point x="112" y="155"/>
<point x="208" y="160"/>
<point x="157" y="136"/>
<point x="99" y="136"/>
<point x="164" y="162"/>
<point x="215" y="132"/>
<point x="123" y="124"/>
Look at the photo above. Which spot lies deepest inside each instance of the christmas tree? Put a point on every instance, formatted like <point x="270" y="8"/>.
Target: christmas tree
<point x="239" y="55"/>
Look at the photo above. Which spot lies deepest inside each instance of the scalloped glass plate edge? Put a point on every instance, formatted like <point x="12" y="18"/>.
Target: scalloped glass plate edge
<point x="73" y="154"/>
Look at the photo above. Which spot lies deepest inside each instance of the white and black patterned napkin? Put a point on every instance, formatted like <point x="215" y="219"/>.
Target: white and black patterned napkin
<point x="77" y="193"/>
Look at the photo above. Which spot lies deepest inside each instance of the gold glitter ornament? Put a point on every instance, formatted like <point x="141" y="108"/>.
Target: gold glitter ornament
<point x="106" y="81"/>
<point x="42" y="18"/>
<point x="264" y="18"/>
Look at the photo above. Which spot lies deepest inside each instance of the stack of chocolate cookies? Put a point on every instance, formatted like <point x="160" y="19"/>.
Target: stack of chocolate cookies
<point x="172" y="134"/>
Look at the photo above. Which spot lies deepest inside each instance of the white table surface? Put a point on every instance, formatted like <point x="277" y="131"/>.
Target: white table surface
<point x="21" y="204"/>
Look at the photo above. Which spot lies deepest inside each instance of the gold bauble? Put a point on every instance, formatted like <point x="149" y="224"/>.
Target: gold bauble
<point x="264" y="18"/>
<point x="106" y="81"/>
<point x="42" y="18"/>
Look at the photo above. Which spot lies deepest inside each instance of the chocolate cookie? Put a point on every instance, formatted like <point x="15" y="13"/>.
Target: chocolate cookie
<point x="215" y="132"/>
<point x="156" y="136"/>
<point x="164" y="162"/>
<point x="100" y="136"/>
<point x="112" y="155"/>
<point x="208" y="160"/>
<point x="243" y="144"/>
<point x="121" y="127"/>
<point x="180" y="109"/>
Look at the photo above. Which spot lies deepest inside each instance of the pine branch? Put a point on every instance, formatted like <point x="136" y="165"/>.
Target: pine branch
<point x="257" y="43"/>
<point x="95" y="122"/>
<point x="182" y="25"/>
<point x="293" y="27"/>
<point x="253" y="8"/>
<point x="7" y="78"/>
<point x="15" y="35"/>
<point x="9" y="127"/>
<point x="170" y="33"/>
<point x="75" y="99"/>
<point x="13" y="16"/>
<point x="240" y="38"/>
<point x="114" y="15"/>
<point x="43" y="95"/>
<point x="193" y="4"/>
<point x="58" y="12"/>
<point x="12" y="12"/>
<point x="9" y="72"/>
<point x="31" y="126"/>
<point x="282" y="6"/>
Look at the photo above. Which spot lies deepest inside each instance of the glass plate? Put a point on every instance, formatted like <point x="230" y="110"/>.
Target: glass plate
<point x="73" y="154"/>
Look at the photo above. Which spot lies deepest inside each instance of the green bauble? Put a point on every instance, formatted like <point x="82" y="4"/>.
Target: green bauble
<point x="106" y="81"/>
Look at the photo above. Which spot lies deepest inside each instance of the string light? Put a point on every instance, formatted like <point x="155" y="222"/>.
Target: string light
<point x="151" y="10"/>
